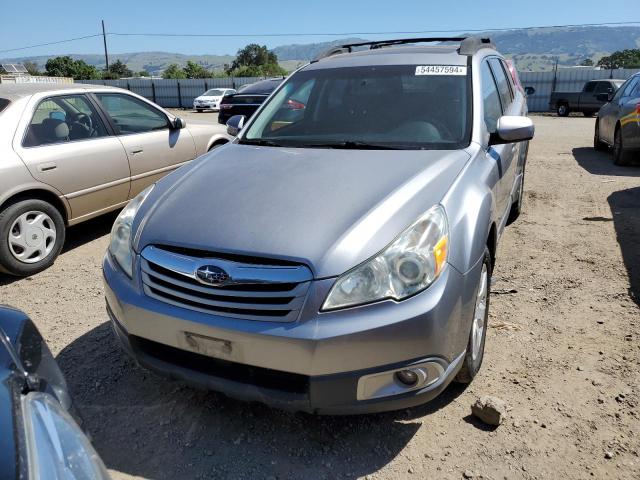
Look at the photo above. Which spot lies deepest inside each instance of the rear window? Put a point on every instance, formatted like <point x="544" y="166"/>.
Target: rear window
<point x="3" y="103"/>
<point x="264" y="87"/>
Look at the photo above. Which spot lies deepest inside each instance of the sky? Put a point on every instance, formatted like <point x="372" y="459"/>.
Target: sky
<point x="30" y="22"/>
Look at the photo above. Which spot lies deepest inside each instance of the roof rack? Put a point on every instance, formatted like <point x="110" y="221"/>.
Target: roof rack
<point x="468" y="45"/>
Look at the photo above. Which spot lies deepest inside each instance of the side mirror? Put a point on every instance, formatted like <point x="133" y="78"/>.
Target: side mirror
<point x="178" y="123"/>
<point x="604" y="97"/>
<point x="235" y="124"/>
<point x="529" y="91"/>
<point x="512" y="129"/>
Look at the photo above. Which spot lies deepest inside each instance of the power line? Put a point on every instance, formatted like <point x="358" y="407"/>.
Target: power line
<point x="346" y="34"/>
<point x="318" y="34"/>
<point x="50" y="43"/>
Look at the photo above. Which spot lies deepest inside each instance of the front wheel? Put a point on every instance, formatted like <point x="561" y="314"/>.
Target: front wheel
<point x="31" y="237"/>
<point x="475" y="348"/>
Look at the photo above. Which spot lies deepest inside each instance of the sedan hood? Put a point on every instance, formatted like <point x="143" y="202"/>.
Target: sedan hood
<point x="330" y="209"/>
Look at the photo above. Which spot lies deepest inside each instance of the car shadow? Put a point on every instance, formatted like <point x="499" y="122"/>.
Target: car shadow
<point x="625" y="209"/>
<point x="601" y="163"/>
<point x="144" y="425"/>
<point x="77" y="236"/>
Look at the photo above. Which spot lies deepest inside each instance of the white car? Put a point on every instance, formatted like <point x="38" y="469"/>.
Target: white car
<point x="210" y="100"/>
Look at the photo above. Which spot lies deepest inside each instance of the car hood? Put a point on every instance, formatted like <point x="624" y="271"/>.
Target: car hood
<point x="208" y="98"/>
<point x="330" y="209"/>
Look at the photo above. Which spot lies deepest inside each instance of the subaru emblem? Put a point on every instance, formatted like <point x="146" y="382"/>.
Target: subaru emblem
<point x="212" y="275"/>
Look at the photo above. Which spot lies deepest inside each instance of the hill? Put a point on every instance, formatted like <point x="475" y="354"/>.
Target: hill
<point x="535" y="49"/>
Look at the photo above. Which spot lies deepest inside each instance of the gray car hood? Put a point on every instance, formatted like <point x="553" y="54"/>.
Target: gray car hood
<point x="330" y="209"/>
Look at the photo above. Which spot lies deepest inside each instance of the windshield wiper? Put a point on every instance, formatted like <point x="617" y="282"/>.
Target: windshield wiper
<point x="261" y="142"/>
<point x="353" y="145"/>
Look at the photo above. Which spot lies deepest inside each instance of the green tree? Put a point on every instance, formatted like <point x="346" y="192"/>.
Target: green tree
<point x="255" y="61"/>
<point x="173" y="71"/>
<point x="32" y="68"/>
<point x="144" y="73"/>
<point x="117" y="70"/>
<point x="195" y="70"/>
<point x="68" y="67"/>
<point x="621" y="59"/>
<point x="587" y="62"/>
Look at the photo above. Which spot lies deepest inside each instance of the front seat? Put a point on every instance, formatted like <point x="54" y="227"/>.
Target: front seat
<point x="54" y="130"/>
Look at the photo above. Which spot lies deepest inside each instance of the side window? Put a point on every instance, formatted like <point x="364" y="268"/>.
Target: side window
<point x="64" y="118"/>
<point x="636" y="92"/>
<point x="589" y="87"/>
<point x="604" y="87"/>
<point x="506" y="96"/>
<point x="490" y="99"/>
<point x="628" y="88"/>
<point x="131" y="115"/>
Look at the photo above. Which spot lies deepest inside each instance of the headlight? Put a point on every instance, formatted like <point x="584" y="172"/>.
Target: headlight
<point x="407" y="266"/>
<point x="120" y="244"/>
<point x="56" y="447"/>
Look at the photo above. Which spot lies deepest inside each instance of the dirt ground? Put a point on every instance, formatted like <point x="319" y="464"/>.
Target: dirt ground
<point x="562" y="350"/>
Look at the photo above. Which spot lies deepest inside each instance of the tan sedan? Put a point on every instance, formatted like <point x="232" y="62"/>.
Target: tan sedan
<point x="71" y="152"/>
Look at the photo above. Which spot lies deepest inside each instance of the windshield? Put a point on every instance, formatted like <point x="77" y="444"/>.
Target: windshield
<point x="392" y="106"/>
<point x="213" y="93"/>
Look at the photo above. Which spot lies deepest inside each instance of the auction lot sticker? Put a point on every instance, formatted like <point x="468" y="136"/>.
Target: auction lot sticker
<point x="440" y="70"/>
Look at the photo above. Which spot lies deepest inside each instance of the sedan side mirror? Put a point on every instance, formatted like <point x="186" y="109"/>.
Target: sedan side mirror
<point x="178" y="123"/>
<point x="235" y="124"/>
<point x="529" y="90"/>
<point x="512" y="129"/>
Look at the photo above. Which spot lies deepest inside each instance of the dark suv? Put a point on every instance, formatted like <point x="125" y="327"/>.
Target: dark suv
<point x="247" y="101"/>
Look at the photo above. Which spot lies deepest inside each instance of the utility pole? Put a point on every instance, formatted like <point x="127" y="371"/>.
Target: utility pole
<point x="106" y="55"/>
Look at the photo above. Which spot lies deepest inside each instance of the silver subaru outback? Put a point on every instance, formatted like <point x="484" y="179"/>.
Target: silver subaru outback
<point x="335" y="257"/>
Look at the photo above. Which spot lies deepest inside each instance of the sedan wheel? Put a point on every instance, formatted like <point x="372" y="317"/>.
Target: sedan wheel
<point x="620" y="155"/>
<point x="597" y="143"/>
<point x="31" y="237"/>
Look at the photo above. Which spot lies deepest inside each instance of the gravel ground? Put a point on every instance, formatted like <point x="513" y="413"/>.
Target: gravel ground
<point x="562" y="352"/>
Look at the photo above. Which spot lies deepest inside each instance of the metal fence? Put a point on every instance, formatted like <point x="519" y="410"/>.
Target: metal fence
<point x="568" y="80"/>
<point x="174" y="93"/>
<point x="180" y="93"/>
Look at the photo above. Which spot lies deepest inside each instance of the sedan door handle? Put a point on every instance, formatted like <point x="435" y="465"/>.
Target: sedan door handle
<point x="48" y="166"/>
<point x="135" y="150"/>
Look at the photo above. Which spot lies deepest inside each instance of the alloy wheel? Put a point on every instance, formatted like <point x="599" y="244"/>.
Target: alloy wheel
<point x="479" y="315"/>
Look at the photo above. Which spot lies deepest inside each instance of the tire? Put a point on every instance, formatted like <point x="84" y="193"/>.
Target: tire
<point x="473" y="358"/>
<point x="563" y="110"/>
<point x="199" y="110"/>
<point x="588" y="114"/>
<point x="620" y="155"/>
<point x="598" y="144"/>
<point x="43" y="223"/>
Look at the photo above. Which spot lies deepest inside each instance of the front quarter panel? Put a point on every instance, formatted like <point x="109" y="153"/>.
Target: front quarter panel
<point x="470" y="209"/>
<point x="206" y="135"/>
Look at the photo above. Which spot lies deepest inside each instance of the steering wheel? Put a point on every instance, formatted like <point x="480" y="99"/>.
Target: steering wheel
<point x="83" y="122"/>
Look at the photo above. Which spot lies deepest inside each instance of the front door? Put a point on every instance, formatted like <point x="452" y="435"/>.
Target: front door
<point x="154" y="148"/>
<point x="65" y="144"/>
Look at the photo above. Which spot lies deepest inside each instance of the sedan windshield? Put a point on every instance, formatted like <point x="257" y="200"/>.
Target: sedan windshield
<point x="385" y="107"/>
<point x="213" y="93"/>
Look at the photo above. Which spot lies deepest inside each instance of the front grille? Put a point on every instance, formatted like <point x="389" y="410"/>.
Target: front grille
<point x="256" y="291"/>
<point x="237" y="372"/>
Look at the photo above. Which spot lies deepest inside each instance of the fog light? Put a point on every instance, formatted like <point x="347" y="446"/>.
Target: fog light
<point x="407" y="377"/>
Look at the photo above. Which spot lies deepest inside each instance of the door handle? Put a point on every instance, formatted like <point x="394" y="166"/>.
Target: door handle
<point x="48" y="166"/>
<point x="135" y="150"/>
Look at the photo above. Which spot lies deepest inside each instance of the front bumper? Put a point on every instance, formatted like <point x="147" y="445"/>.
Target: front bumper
<point x="313" y="364"/>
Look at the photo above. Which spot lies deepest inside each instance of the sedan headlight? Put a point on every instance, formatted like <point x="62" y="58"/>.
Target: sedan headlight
<point x="120" y="245"/>
<point x="407" y="266"/>
<point x="56" y="447"/>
